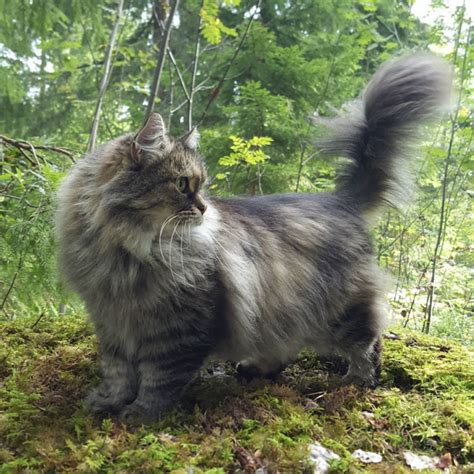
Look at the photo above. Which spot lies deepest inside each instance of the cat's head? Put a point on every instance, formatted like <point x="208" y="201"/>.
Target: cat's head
<point x="149" y="178"/>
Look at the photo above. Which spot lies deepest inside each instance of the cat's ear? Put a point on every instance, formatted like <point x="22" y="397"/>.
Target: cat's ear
<point x="152" y="137"/>
<point x="191" y="139"/>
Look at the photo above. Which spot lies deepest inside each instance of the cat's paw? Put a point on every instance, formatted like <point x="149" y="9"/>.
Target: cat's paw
<point x="101" y="402"/>
<point x="363" y="382"/>
<point x="247" y="371"/>
<point x="136" y="414"/>
<point x="132" y="415"/>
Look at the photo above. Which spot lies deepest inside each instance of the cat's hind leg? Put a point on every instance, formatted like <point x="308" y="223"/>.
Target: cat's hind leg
<point x="249" y="369"/>
<point x="364" y="365"/>
<point x="357" y="339"/>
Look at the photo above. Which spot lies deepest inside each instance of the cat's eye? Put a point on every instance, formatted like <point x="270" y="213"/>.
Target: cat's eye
<point x="182" y="184"/>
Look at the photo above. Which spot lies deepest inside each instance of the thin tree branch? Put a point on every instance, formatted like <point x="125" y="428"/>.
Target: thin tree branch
<point x="170" y="114"/>
<point x="178" y="72"/>
<point x="161" y="60"/>
<point x="193" y="76"/>
<point x="171" y="55"/>
<point x="22" y="145"/>
<point x="229" y="65"/>
<point x="181" y="105"/>
<point x="412" y="304"/>
<point x="32" y="220"/>
<point x="105" y="78"/>
<point x="321" y="98"/>
<point x="201" y="85"/>
<point x="300" y="166"/>
<point x="442" y="222"/>
<point x="12" y="283"/>
<point x="40" y="317"/>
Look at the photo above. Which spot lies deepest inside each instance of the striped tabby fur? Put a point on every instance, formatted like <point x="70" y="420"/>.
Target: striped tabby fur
<point x="171" y="278"/>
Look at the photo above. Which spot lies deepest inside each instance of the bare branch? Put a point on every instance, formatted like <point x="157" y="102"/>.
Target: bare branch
<point x="161" y="59"/>
<point x="236" y="52"/>
<point x="192" y="88"/>
<point x="171" y="55"/>
<point x="321" y="98"/>
<point x="300" y="166"/>
<point x="444" y="204"/>
<point x="23" y="145"/>
<point x="178" y="72"/>
<point x="12" y="283"/>
<point x="105" y="78"/>
<point x="170" y="114"/>
<point x="182" y="104"/>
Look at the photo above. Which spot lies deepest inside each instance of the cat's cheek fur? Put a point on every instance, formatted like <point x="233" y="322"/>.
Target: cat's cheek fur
<point x="204" y="233"/>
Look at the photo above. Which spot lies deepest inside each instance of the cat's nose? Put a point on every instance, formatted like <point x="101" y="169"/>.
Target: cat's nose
<point x="201" y="206"/>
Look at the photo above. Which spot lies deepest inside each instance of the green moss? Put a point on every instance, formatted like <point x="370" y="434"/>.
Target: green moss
<point x="424" y="404"/>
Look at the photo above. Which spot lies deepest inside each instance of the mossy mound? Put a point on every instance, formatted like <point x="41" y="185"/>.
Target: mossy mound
<point x="424" y="405"/>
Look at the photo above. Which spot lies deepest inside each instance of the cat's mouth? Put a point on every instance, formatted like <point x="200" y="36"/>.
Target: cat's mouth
<point x="190" y="217"/>
<point x="193" y="220"/>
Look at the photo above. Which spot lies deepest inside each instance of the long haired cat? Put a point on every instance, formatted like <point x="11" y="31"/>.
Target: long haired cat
<point x="171" y="277"/>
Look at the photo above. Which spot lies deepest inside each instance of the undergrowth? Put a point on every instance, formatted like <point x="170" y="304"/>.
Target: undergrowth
<point x="225" y="425"/>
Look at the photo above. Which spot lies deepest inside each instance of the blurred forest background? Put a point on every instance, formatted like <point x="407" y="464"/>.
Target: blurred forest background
<point x="249" y="74"/>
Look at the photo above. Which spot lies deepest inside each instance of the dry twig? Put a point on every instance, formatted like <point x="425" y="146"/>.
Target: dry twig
<point x="22" y="146"/>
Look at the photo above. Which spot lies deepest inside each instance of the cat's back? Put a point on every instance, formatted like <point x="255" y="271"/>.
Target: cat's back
<point x="296" y="217"/>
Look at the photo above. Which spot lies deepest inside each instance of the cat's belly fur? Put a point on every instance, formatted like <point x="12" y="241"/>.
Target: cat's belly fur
<point x="288" y="289"/>
<point x="269" y="324"/>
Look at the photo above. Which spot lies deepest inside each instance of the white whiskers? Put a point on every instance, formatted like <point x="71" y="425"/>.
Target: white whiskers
<point x="183" y="229"/>
<point x="171" y="250"/>
<point x="165" y="223"/>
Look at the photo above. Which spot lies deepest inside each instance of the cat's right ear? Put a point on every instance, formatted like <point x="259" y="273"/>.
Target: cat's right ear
<point x="152" y="137"/>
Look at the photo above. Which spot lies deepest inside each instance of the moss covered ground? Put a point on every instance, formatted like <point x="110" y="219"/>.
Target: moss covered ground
<point x="424" y="405"/>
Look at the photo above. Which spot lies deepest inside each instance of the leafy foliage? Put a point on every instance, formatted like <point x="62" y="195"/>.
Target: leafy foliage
<point x="248" y="151"/>
<point x="28" y="245"/>
<point x="212" y="26"/>
<point x="252" y="88"/>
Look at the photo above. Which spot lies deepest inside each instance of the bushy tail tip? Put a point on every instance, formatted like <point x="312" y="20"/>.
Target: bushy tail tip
<point x="403" y="95"/>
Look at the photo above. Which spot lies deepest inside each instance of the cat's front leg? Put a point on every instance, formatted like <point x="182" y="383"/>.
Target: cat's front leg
<point x="163" y="376"/>
<point x="118" y="386"/>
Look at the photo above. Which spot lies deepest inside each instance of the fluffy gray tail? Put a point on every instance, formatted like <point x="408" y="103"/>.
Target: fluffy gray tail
<point x="376" y="135"/>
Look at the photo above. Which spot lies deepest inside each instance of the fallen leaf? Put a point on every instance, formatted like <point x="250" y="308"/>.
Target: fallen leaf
<point x="444" y="461"/>
<point x="375" y="423"/>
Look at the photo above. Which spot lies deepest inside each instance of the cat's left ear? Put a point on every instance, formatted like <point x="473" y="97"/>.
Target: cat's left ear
<point x="191" y="139"/>
<point x="152" y="137"/>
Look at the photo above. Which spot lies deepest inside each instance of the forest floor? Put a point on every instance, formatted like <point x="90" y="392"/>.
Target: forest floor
<point x="424" y="405"/>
